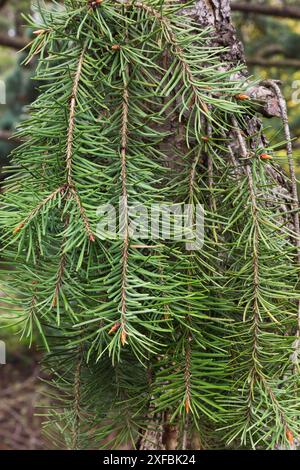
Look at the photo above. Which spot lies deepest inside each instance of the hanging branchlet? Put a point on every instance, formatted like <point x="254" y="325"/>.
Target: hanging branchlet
<point x="295" y="204"/>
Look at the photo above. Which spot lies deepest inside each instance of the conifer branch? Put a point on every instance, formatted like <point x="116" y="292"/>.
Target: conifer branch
<point x="187" y="372"/>
<point x="59" y="280"/>
<point x="40" y="206"/>
<point x="295" y="203"/>
<point x="187" y="375"/>
<point x="82" y="213"/>
<point x="125" y="249"/>
<point x="256" y="374"/>
<point x="181" y="310"/>
<point x="289" y="151"/>
<point x="60" y="271"/>
<point x="177" y="50"/>
<point x="71" y="124"/>
<point x="255" y="254"/>
<point x="210" y="170"/>
<point x="70" y="141"/>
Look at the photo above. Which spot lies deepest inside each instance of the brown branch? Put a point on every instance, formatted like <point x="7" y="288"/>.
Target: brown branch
<point x="187" y="375"/>
<point x="271" y="49"/>
<point x="295" y="203"/>
<point x="39" y="207"/>
<point x="82" y="213"/>
<point x="124" y="142"/>
<point x="69" y="152"/>
<point x="295" y="144"/>
<point x="280" y="63"/>
<point x="289" y="151"/>
<point x="71" y="128"/>
<point x="192" y="177"/>
<point x="254" y="373"/>
<point x="285" y="12"/>
<point x="171" y="39"/>
<point x="13" y="42"/>
<point x="59" y="279"/>
<point x="210" y="171"/>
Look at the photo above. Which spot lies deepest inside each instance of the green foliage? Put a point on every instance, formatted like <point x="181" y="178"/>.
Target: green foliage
<point x="137" y="329"/>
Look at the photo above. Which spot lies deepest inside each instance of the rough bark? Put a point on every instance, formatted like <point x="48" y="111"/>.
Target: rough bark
<point x="217" y="15"/>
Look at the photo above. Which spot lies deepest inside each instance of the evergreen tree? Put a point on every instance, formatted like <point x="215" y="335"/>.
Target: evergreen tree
<point x="148" y="343"/>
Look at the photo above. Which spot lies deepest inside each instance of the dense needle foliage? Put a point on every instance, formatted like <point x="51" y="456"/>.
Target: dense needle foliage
<point x="144" y="337"/>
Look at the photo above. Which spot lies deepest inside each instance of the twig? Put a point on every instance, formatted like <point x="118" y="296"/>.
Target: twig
<point x="40" y="206"/>
<point x="124" y="140"/>
<point x="71" y="128"/>
<point x="82" y="212"/>
<point x="256" y="374"/>
<point x="295" y="203"/>
<point x="178" y="51"/>
<point x="281" y="12"/>
<point x="70" y="141"/>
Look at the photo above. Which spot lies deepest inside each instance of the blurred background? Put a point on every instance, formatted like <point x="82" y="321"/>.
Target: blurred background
<point x="270" y="32"/>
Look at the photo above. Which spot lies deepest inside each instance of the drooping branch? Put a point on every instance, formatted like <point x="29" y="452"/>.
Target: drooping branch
<point x="70" y="141"/>
<point x="256" y="374"/>
<point x="256" y="241"/>
<point x="60" y="271"/>
<point x="39" y="207"/>
<point x="82" y="213"/>
<point x="289" y="151"/>
<point x="295" y="203"/>
<point x="124" y="143"/>
<point x="178" y="52"/>
<point x="71" y="124"/>
<point x="163" y="396"/>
